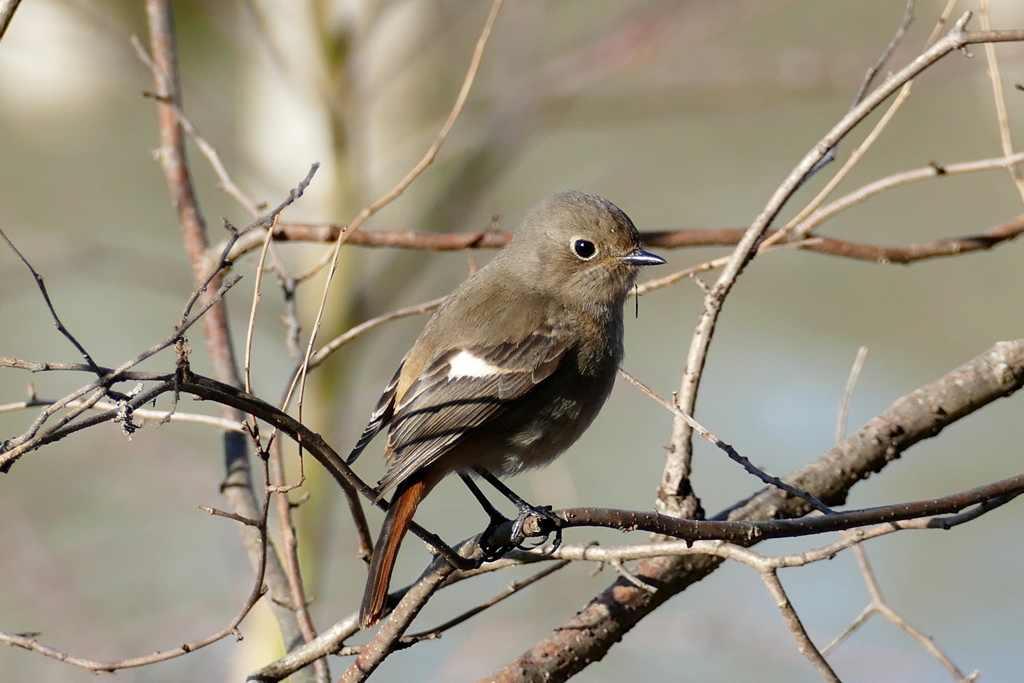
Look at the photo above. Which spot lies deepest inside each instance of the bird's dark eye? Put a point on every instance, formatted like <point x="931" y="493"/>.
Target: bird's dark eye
<point x="585" y="249"/>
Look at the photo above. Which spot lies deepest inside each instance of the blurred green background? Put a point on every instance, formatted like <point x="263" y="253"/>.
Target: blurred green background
<point x="685" y="114"/>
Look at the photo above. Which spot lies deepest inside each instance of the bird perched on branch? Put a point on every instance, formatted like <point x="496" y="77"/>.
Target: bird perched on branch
<point x="513" y="366"/>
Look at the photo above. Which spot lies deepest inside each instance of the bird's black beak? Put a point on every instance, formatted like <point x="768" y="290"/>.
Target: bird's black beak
<point x="642" y="258"/>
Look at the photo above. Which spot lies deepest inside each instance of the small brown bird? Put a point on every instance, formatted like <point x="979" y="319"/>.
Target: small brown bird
<point x="511" y="368"/>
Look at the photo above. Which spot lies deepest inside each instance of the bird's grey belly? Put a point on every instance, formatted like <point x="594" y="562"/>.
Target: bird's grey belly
<point x="534" y="438"/>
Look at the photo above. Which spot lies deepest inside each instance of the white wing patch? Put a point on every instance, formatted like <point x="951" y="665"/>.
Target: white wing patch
<point x="465" y="364"/>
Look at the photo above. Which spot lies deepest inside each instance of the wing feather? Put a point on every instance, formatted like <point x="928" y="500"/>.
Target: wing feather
<point x="439" y="409"/>
<point x="380" y="417"/>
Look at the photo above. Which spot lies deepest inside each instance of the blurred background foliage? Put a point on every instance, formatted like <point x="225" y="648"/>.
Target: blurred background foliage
<point x="684" y="113"/>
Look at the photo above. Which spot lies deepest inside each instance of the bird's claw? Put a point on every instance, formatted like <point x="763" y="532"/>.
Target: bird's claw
<point x="547" y="522"/>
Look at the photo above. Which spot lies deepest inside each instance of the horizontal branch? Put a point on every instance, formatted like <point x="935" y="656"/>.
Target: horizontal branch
<point x="32" y="366"/>
<point x="919" y="251"/>
<point x="665" y="239"/>
<point x="158" y="415"/>
<point x="732" y="551"/>
<point x="761" y="530"/>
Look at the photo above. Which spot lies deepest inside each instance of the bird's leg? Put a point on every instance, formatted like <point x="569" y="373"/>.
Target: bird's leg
<point x="553" y="522"/>
<point x="496" y="520"/>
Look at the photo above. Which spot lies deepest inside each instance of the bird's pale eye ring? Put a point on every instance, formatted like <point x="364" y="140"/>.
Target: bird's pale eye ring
<point x="584" y="249"/>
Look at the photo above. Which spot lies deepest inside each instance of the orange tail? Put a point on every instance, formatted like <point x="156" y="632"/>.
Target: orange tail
<point x="396" y="523"/>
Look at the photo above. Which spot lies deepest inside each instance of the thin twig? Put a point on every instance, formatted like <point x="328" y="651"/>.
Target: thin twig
<point x="12" y="449"/>
<point x="672" y="278"/>
<point x="256" y="295"/>
<point x="290" y="551"/>
<point x="33" y="367"/>
<point x="507" y="592"/>
<point x="677" y="465"/>
<point x="288" y="284"/>
<point x="878" y="604"/>
<point x="207" y="149"/>
<point x="325" y="351"/>
<point x="851" y="384"/>
<point x="714" y="264"/>
<point x="230" y="515"/>
<point x="796" y="627"/>
<point x="1002" y="117"/>
<point x="801" y="228"/>
<point x="727" y="449"/>
<point x="908" y="18"/>
<point x="159" y="415"/>
<point x="49" y="304"/>
<point x="621" y="570"/>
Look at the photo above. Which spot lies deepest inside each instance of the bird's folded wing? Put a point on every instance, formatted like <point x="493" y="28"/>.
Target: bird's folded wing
<point x="462" y="390"/>
<point x="382" y="414"/>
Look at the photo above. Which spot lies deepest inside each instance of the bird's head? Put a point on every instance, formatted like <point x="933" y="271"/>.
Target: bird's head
<point x="581" y="248"/>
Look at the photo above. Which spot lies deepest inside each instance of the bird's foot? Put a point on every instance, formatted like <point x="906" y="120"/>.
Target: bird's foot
<point x="546" y="523"/>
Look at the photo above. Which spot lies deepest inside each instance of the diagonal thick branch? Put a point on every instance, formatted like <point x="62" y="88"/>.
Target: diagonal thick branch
<point x="922" y="414"/>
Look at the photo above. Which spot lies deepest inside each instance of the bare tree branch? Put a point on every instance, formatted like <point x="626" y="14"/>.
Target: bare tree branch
<point x="671" y="239"/>
<point x="920" y="415"/>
